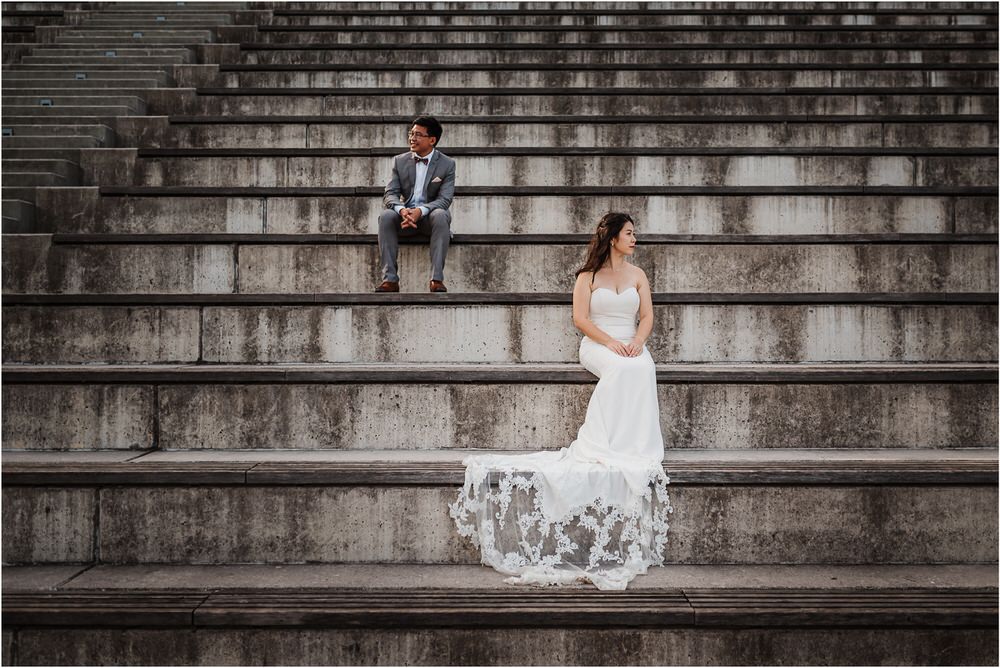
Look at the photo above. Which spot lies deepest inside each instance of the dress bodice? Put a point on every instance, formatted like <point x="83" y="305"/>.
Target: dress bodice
<point x="615" y="313"/>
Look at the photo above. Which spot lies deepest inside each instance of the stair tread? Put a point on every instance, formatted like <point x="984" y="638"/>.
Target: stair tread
<point x="304" y="577"/>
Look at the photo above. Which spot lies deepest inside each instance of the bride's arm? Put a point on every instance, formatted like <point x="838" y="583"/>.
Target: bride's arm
<point x="645" y="327"/>
<point x="581" y="316"/>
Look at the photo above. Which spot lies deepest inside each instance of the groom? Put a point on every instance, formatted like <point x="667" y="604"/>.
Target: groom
<point x="416" y="201"/>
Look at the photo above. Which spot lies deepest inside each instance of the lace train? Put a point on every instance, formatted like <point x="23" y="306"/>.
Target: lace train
<point x="504" y="507"/>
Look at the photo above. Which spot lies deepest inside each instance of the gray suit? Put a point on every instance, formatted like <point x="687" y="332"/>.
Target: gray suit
<point x="439" y="190"/>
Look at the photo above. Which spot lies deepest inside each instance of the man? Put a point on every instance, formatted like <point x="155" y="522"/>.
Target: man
<point x="416" y="200"/>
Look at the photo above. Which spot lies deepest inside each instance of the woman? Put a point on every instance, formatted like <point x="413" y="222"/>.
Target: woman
<point x="595" y="511"/>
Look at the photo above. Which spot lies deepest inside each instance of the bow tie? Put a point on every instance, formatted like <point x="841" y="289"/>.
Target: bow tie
<point x="417" y="158"/>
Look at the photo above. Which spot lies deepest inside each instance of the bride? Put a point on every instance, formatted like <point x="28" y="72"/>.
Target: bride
<point x="595" y="511"/>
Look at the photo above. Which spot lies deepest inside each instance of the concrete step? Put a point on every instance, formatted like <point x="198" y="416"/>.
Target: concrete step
<point x="84" y="62"/>
<point x="64" y="85"/>
<point x="167" y="211"/>
<point x="27" y="179"/>
<point x="266" y="266"/>
<point x="33" y="74"/>
<point x="728" y="509"/>
<point x="134" y="103"/>
<point x="589" y="16"/>
<point x="103" y="135"/>
<point x="455" y="53"/>
<point x="351" y="614"/>
<point x="18" y="215"/>
<point x="348" y="407"/>
<point x="539" y="132"/>
<point x="600" y="102"/>
<point x="292" y="331"/>
<point x="63" y="115"/>
<point x="23" y="193"/>
<point x="48" y="143"/>
<point x="626" y="36"/>
<point x="105" y="43"/>
<point x="472" y="77"/>
<point x="155" y="33"/>
<point x="68" y="170"/>
<point x="120" y="51"/>
<point x="555" y="168"/>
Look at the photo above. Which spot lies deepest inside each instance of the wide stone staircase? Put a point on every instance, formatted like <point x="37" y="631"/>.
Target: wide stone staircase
<point x="221" y="447"/>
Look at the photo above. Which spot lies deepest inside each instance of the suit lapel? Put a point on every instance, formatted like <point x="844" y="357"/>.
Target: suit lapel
<point x="409" y="174"/>
<point x="431" y="166"/>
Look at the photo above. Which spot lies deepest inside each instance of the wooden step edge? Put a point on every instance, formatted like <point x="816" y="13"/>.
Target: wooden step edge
<point x="342" y="373"/>
<point x="496" y="299"/>
<point x="460" y="608"/>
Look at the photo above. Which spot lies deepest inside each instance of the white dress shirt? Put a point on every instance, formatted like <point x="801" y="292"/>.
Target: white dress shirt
<point x="417" y="198"/>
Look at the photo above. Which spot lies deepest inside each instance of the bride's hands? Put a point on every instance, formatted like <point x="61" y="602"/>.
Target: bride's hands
<point x="634" y="348"/>
<point x="618" y="347"/>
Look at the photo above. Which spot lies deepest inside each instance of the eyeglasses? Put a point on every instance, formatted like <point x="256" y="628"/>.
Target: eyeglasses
<point x="416" y="134"/>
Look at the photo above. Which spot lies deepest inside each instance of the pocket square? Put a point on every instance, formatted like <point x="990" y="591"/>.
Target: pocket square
<point x="436" y="179"/>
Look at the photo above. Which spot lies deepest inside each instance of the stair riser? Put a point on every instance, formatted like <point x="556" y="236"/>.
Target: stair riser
<point x="103" y="135"/>
<point x="30" y="76"/>
<point x="581" y="56"/>
<point x="693" y="38"/>
<point x="559" y="171"/>
<point x="47" y="143"/>
<point x="134" y="104"/>
<point x="33" y="266"/>
<point x="408" y="78"/>
<point x="83" y="61"/>
<point x="595" y="105"/>
<point x="683" y="333"/>
<point x="521" y="417"/>
<point x="643" y="19"/>
<point x="545" y="135"/>
<point x="711" y="524"/>
<point x="443" y="647"/>
<point x="526" y="214"/>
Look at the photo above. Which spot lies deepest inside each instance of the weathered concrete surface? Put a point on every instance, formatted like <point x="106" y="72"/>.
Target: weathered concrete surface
<point x="78" y="417"/>
<point x="721" y="77"/>
<point x="554" y="103"/>
<point x="48" y="524"/>
<point x="507" y="646"/>
<point x="711" y="524"/>
<point x="628" y="38"/>
<point x="33" y="578"/>
<point x="439" y="576"/>
<point x="539" y="135"/>
<point x="583" y="55"/>
<point x="31" y="264"/>
<point x="763" y="17"/>
<point x="669" y="267"/>
<point x="682" y="332"/>
<point x="594" y="171"/>
<point x="533" y="417"/>
<point x="512" y="214"/>
<point x="100" y="334"/>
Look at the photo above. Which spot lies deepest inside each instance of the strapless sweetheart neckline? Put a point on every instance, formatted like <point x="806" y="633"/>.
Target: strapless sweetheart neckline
<point x="632" y="287"/>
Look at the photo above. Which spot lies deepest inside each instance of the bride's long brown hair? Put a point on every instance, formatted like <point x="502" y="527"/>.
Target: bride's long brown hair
<point x="599" y="250"/>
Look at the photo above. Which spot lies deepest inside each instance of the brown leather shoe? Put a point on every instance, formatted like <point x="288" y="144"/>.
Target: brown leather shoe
<point x="438" y="286"/>
<point x="388" y="286"/>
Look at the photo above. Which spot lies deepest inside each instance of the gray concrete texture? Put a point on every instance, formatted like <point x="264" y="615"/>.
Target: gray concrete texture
<point x="78" y="417"/>
<point x="559" y="103"/>
<point x="670" y="268"/>
<point x="566" y="170"/>
<point x="692" y="37"/>
<point x="517" y="214"/>
<point x="490" y="333"/>
<point x="532" y="417"/>
<point x="589" y="134"/>
<point x="522" y="646"/>
<point x="623" y="78"/>
<point x="31" y="264"/>
<point x="48" y="524"/>
<point x="583" y="55"/>
<point x="711" y="524"/>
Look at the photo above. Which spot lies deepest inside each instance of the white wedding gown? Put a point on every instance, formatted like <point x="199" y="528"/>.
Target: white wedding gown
<point x="597" y="510"/>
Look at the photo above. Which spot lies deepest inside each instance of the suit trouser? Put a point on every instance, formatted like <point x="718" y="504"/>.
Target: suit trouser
<point x="436" y="225"/>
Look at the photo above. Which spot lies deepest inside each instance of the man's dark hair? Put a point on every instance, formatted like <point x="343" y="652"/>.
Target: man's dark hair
<point x="433" y="127"/>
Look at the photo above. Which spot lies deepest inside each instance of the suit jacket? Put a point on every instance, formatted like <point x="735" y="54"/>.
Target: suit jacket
<point x="438" y="194"/>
